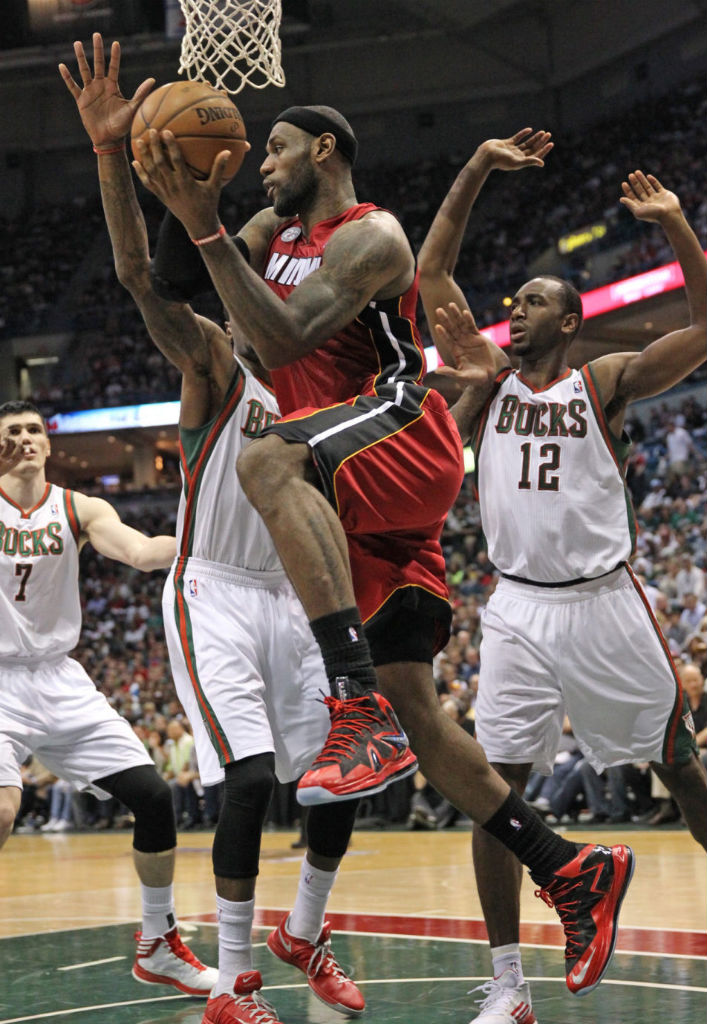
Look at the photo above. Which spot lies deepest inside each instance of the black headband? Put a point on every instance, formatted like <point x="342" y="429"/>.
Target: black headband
<point x="316" y="124"/>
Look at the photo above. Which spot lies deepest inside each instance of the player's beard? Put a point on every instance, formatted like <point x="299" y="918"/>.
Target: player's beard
<point x="298" y="194"/>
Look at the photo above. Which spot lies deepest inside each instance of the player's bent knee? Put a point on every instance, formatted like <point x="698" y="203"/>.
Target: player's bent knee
<point x="269" y="464"/>
<point x="258" y="463"/>
<point x="7" y="821"/>
<point x="146" y="794"/>
<point x="247" y="791"/>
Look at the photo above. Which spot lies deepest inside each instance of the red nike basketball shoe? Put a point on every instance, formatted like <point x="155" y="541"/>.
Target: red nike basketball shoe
<point x="365" y="751"/>
<point x="587" y="893"/>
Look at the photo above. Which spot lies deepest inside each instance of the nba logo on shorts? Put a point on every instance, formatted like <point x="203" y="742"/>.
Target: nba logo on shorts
<point x="578" y="389"/>
<point x="193" y="588"/>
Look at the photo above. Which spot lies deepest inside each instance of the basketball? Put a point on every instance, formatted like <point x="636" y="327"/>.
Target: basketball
<point x="203" y="120"/>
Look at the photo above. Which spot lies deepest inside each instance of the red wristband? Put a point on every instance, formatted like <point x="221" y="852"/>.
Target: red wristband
<point x="106" y="152"/>
<point x="210" y="238"/>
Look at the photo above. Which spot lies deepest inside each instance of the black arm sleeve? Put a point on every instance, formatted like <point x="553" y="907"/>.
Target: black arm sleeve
<point x="177" y="270"/>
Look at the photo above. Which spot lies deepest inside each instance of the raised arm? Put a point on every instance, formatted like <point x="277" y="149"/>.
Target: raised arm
<point x="365" y="259"/>
<point x="477" y="362"/>
<point x="10" y="454"/>
<point x="440" y="250"/>
<point x="627" y="376"/>
<point x="197" y="347"/>
<point x="101" y="525"/>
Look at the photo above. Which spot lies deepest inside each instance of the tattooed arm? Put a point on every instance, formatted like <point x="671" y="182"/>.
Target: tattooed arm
<point x="195" y="345"/>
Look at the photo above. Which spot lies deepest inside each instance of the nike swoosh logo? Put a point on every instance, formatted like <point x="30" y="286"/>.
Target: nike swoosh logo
<point x="581" y="974"/>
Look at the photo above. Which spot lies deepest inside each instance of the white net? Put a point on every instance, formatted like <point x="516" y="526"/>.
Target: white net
<point x="232" y="43"/>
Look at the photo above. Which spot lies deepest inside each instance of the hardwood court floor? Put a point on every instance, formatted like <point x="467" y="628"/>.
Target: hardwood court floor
<point x="406" y="917"/>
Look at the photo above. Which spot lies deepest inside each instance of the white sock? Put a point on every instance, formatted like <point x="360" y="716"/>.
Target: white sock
<point x="505" y="958"/>
<point x="158" y="914"/>
<point x="307" y="915"/>
<point x="235" y="946"/>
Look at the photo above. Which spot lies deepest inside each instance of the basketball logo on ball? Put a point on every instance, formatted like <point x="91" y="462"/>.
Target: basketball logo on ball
<point x="203" y="120"/>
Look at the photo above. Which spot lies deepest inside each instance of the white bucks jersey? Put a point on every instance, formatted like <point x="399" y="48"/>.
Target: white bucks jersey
<point x="554" y="504"/>
<point x="216" y="522"/>
<point x="40" y="607"/>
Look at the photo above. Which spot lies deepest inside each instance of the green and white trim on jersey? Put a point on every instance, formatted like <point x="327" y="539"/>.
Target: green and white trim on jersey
<point x="195" y="448"/>
<point x="619" y="447"/>
<point x="679" y="744"/>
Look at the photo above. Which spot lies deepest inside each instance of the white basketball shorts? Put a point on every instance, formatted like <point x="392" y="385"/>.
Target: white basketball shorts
<point x="52" y="709"/>
<point x="247" y="669"/>
<point x="593" y="651"/>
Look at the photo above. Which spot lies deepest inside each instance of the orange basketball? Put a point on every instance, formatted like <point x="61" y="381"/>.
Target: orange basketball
<point x="204" y="122"/>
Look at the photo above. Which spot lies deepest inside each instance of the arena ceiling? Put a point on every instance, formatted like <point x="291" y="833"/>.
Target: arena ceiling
<point x="529" y="43"/>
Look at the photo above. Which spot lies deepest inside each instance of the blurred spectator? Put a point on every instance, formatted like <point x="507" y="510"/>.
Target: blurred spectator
<point x="693" y="611"/>
<point x="61" y="812"/>
<point x="180" y="771"/>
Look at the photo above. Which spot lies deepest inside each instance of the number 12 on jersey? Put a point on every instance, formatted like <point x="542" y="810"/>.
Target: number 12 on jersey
<point x="550" y="453"/>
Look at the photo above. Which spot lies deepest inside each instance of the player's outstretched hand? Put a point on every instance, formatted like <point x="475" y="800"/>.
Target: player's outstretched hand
<point x="162" y="170"/>
<point x="524" y="149"/>
<point x="10" y="454"/>
<point x="646" y="198"/>
<point x="105" y="112"/>
<point x="477" y="358"/>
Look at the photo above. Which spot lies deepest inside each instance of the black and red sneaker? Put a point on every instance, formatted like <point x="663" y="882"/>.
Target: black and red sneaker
<point x="365" y="751"/>
<point x="587" y="893"/>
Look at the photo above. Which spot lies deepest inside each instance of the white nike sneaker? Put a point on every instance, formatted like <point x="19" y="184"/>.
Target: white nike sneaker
<point x="505" y="1001"/>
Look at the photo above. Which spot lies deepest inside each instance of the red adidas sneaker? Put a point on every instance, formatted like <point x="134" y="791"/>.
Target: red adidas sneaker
<point x="587" y="893"/>
<point x="325" y="976"/>
<point x="167" y="960"/>
<point x="244" y="1006"/>
<point x="365" y="751"/>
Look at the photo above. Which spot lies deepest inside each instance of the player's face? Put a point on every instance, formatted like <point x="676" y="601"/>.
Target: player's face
<point x="537" y="316"/>
<point x="288" y="174"/>
<point x="27" y="430"/>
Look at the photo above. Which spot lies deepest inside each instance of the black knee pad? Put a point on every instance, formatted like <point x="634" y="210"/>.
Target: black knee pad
<point x="246" y="797"/>
<point x="147" y="795"/>
<point x="329" y="827"/>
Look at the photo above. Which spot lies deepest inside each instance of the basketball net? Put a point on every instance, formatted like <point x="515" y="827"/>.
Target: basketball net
<point x="232" y="43"/>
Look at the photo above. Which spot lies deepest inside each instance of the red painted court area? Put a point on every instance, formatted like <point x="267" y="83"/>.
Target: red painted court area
<point x="631" y="940"/>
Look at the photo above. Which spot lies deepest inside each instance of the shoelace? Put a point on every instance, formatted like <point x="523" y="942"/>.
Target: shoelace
<point x="555" y="895"/>
<point x="323" y="957"/>
<point x="264" y="1012"/>
<point x="182" y="951"/>
<point x="492" y="990"/>
<point x="350" y="719"/>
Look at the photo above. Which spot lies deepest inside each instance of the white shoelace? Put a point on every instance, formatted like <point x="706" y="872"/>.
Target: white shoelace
<point x="319" y="957"/>
<point x="494" y="992"/>
<point x="265" y="1012"/>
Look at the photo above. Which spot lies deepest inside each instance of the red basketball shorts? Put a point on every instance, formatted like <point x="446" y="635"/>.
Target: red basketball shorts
<point x="391" y="466"/>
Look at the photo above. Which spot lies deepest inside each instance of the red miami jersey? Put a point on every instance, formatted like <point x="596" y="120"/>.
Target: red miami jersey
<point x="381" y="345"/>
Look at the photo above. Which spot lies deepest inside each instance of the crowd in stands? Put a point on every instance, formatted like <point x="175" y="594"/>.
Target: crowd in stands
<point x="514" y="224"/>
<point x="122" y="648"/>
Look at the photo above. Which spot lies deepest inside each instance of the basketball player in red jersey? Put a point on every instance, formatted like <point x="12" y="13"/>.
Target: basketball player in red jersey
<point x="354" y="484"/>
